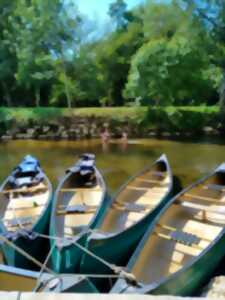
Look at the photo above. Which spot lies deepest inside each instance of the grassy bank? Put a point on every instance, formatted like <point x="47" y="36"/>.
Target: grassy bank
<point x="165" y="119"/>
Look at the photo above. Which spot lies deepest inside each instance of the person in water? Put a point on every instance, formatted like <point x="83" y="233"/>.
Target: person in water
<point x="105" y="136"/>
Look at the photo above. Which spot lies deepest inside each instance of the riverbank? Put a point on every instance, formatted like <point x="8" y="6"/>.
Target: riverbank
<point x="62" y="123"/>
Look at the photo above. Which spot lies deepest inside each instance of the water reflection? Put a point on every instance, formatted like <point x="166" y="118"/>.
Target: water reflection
<point x="117" y="161"/>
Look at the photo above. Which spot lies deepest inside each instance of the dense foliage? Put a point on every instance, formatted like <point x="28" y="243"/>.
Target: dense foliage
<point x="164" y="53"/>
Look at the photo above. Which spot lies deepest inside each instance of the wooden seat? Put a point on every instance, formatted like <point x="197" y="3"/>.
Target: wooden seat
<point x="202" y="198"/>
<point x="215" y="187"/>
<point x="65" y="190"/>
<point x="19" y="221"/>
<point x="150" y="180"/>
<point x="183" y="238"/>
<point x="77" y="209"/>
<point x="199" y="207"/>
<point x="26" y="190"/>
<point x="132" y="207"/>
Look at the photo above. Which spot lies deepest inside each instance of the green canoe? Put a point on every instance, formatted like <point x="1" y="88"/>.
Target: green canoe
<point x="79" y="204"/>
<point x="184" y="245"/>
<point x="25" y="213"/>
<point x="131" y="211"/>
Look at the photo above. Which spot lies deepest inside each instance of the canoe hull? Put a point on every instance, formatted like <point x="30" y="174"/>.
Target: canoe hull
<point x="37" y="247"/>
<point x="106" y="249"/>
<point x="188" y="282"/>
<point x="67" y="259"/>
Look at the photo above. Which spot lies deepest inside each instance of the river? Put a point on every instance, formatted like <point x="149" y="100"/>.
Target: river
<point x="189" y="160"/>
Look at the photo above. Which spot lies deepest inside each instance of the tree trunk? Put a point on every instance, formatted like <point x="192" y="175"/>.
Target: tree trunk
<point x="37" y="96"/>
<point x="7" y="95"/>
<point x="67" y="92"/>
<point x="222" y="95"/>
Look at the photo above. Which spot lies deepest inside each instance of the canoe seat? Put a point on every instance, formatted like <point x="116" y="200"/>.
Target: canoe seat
<point x="181" y="237"/>
<point x="26" y="190"/>
<point x="77" y="209"/>
<point x="215" y="187"/>
<point x="131" y="207"/>
<point x="202" y="198"/>
<point x="66" y="190"/>
<point x="200" y="207"/>
<point x="25" y="207"/>
<point x="160" y="174"/>
<point x="19" y="221"/>
<point x="160" y="182"/>
<point x="184" y="237"/>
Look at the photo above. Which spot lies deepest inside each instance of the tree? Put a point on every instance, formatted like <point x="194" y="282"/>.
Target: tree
<point x="173" y="65"/>
<point x="212" y="15"/>
<point x="117" y="11"/>
<point x="44" y="31"/>
<point x="7" y="52"/>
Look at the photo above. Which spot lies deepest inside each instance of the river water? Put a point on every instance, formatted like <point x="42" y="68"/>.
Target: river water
<point x="189" y="160"/>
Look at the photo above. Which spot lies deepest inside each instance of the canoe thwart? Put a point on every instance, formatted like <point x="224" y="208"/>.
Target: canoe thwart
<point x="202" y="198"/>
<point x="77" y="209"/>
<point x="131" y="207"/>
<point x="25" y="190"/>
<point x="19" y="221"/>
<point x="215" y="187"/>
<point x="184" y="237"/>
<point x="85" y="189"/>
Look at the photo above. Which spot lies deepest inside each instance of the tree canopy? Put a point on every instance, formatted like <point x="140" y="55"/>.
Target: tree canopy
<point x="157" y="53"/>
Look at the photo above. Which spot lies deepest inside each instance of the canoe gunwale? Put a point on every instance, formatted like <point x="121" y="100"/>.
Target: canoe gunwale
<point x="152" y="286"/>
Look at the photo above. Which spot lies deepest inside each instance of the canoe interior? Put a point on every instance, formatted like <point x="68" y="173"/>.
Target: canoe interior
<point x="137" y="199"/>
<point x="22" y="207"/>
<point x="190" y="224"/>
<point x="73" y="193"/>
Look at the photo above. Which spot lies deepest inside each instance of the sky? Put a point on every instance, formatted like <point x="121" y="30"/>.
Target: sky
<point x="100" y="8"/>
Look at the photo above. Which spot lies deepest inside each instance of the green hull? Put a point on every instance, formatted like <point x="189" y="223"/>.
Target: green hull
<point x="66" y="259"/>
<point x="186" y="282"/>
<point x="105" y="248"/>
<point x="37" y="247"/>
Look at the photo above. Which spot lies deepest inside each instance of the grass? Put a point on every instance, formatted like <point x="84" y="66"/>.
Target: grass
<point x="118" y="113"/>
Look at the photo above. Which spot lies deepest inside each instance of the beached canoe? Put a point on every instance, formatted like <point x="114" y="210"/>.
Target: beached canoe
<point x="25" y="197"/>
<point x="185" y="244"/>
<point x="131" y="211"/>
<point x="80" y="202"/>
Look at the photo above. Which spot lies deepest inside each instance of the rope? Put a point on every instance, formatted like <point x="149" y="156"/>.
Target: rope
<point x="113" y="267"/>
<point x="119" y="271"/>
<point x="43" y="267"/>
<point x="25" y="254"/>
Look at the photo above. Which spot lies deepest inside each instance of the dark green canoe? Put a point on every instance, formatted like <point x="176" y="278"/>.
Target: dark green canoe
<point x="184" y="245"/>
<point x="25" y="212"/>
<point x="79" y="204"/>
<point x="131" y="211"/>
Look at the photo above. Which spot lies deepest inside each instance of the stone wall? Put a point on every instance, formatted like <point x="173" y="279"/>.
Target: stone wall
<point x="86" y="127"/>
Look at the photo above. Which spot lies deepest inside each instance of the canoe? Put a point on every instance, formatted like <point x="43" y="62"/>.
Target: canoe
<point x="25" y="197"/>
<point x="185" y="244"/>
<point x="79" y="203"/>
<point x="132" y="209"/>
